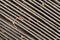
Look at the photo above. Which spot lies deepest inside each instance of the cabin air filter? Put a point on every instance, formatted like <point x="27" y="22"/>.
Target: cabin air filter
<point x="29" y="19"/>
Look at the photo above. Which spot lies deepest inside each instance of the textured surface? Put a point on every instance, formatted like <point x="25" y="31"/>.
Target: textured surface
<point x="29" y="19"/>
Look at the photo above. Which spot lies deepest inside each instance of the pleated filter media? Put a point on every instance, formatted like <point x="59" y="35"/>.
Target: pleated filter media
<point x="29" y="19"/>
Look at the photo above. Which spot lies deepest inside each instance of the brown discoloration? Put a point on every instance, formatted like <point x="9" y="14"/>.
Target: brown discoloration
<point x="43" y="3"/>
<point x="2" y="30"/>
<point x="18" y="17"/>
<point x="14" y="24"/>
